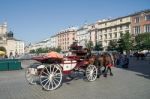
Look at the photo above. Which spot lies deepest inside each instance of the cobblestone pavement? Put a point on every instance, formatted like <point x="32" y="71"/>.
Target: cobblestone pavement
<point x="132" y="83"/>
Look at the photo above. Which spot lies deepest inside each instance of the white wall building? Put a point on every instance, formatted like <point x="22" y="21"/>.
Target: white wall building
<point x="83" y="35"/>
<point x="112" y="29"/>
<point x="54" y="41"/>
<point x="9" y="43"/>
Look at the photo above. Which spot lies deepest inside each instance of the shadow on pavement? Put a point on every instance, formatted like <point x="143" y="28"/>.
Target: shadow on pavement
<point x="142" y="67"/>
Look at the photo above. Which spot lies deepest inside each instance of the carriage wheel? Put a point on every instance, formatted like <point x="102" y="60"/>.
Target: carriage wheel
<point x="51" y="77"/>
<point x="91" y="73"/>
<point x="31" y="78"/>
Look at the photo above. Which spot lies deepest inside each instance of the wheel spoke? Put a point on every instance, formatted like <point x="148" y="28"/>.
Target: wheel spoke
<point x="49" y="84"/>
<point x="45" y="73"/>
<point x="47" y="70"/>
<point x="54" y="82"/>
<point x="57" y="75"/>
<point x="46" y="83"/>
<point x="44" y="76"/>
<point x="44" y="80"/>
<point x="56" y="71"/>
<point x="88" y="76"/>
<point x="53" y="69"/>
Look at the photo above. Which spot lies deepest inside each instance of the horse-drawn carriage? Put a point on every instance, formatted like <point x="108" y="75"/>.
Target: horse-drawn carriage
<point x="50" y="70"/>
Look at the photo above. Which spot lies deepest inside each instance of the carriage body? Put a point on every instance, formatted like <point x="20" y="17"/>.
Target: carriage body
<point x="50" y="70"/>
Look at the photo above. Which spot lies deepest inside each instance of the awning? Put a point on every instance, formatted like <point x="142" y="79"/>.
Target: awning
<point x="54" y="55"/>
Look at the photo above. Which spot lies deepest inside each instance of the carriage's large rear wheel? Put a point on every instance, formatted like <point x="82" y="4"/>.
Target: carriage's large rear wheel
<point x="51" y="77"/>
<point x="91" y="73"/>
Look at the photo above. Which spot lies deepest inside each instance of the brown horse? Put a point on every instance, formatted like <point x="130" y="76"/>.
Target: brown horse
<point x="105" y="60"/>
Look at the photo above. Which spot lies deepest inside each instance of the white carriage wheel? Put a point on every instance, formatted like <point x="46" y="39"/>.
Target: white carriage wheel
<point x="91" y="73"/>
<point x="31" y="78"/>
<point x="51" y="77"/>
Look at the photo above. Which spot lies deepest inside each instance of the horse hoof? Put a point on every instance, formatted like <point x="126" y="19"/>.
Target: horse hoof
<point x="111" y="74"/>
<point x="105" y="75"/>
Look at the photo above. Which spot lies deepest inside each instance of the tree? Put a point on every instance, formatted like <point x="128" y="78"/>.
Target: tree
<point x="125" y="43"/>
<point x="142" y="41"/>
<point x="112" y="45"/>
<point x="120" y="45"/>
<point x="39" y="50"/>
<point x="58" y="49"/>
<point x="89" y="45"/>
<point x="98" y="46"/>
<point x="32" y="51"/>
<point x="2" y="48"/>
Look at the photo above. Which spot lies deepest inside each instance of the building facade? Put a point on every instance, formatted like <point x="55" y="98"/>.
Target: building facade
<point x="66" y="38"/>
<point x="102" y="31"/>
<point x="111" y="29"/>
<point x="9" y="43"/>
<point x="54" y="41"/>
<point x="82" y="35"/>
<point x="140" y="22"/>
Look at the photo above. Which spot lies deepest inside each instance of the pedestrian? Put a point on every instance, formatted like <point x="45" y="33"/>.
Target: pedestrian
<point x="125" y="62"/>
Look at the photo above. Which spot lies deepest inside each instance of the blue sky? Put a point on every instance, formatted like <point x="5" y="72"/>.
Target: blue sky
<point x="35" y="20"/>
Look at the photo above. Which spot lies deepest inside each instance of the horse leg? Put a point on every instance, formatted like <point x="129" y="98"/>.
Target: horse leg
<point x="106" y="71"/>
<point x="111" y="74"/>
<point x="99" y="71"/>
<point x="103" y="71"/>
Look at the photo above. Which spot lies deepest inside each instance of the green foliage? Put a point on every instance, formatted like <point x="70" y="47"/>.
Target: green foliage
<point x="112" y="46"/>
<point x="89" y="45"/>
<point x="45" y="50"/>
<point x="2" y="49"/>
<point x="125" y="43"/>
<point x="32" y="51"/>
<point x="98" y="46"/>
<point x="58" y="49"/>
<point x="142" y="41"/>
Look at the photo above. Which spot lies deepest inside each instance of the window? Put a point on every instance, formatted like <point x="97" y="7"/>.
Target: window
<point x="147" y="28"/>
<point x="137" y="19"/>
<point x="121" y="33"/>
<point x="110" y="36"/>
<point x="127" y="26"/>
<point x="120" y="20"/>
<point x="147" y="17"/>
<point x="110" y="29"/>
<point x="101" y="37"/>
<point x="120" y="27"/>
<point x="115" y="34"/>
<point x="115" y="28"/>
<point x="92" y="26"/>
<point x="136" y="29"/>
<point x="105" y="36"/>
<point x="127" y="31"/>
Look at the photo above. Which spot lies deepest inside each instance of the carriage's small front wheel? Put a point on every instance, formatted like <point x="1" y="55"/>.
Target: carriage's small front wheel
<point x="91" y="72"/>
<point x="31" y="76"/>
<point x="51" y="77"/>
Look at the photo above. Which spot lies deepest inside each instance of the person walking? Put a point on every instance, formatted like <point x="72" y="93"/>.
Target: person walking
<point x="125" y="62"/>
